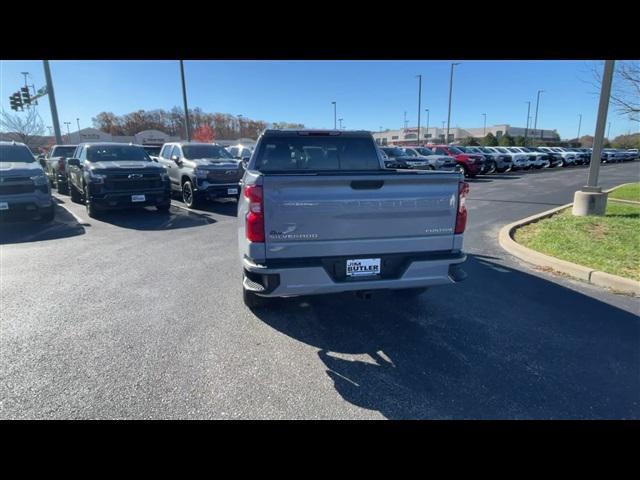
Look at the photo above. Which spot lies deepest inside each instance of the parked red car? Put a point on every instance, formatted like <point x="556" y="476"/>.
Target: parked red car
<point x="468" y="163"/>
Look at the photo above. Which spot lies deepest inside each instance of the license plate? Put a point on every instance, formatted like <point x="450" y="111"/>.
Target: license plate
<point x="232" y="191"/>
<point x="4" y="206"/>
<point x="138" y="198"/>
<point x="363" y="267"/>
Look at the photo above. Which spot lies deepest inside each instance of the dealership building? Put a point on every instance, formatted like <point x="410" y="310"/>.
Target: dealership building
<point x="437" y="135"/>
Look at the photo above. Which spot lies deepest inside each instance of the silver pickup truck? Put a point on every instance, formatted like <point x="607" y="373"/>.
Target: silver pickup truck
<point x="319" y="213"/>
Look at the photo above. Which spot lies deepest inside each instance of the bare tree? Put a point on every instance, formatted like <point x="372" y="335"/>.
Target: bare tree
<point x="625" y="93"/>
<point x="26" y="127"/>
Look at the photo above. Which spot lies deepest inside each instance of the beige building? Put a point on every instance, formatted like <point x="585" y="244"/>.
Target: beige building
<point x="437" y="135"/>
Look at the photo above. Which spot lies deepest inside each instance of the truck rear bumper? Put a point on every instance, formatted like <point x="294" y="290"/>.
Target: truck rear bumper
<point x="312" y="279"/>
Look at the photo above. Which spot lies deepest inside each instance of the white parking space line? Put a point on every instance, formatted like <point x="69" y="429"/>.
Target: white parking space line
<point x="62" y="205"/>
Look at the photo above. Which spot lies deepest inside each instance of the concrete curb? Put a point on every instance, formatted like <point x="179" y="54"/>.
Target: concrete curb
<point x="619" y="200"/>
<point x="586" y="274"/>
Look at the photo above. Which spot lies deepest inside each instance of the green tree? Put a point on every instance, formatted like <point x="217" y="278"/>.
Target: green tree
<point x="626" y="141"/>
<point x="507" y="141"/>
<point x="469" y="142"/>
<point x="490" y="140"/>
<point x="519" y="141"/>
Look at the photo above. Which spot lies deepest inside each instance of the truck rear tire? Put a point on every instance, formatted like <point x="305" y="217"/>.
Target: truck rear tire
<point x="75" y="195"/>
<point x="63" y="188"/>
<point x="252" y="300"/>
<point x="47" y="216"/>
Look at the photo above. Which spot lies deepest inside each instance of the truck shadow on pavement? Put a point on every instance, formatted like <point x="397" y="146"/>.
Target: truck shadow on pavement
<point x="63" y="225"/>
<point x="150" y="219"/>
<point x="502" y="344"/>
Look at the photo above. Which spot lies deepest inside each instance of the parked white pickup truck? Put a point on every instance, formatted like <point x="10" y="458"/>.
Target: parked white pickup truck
<point x="319" y="213"/>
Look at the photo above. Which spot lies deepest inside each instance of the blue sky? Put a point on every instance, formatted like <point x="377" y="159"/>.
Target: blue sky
<point x="369" y="94"/>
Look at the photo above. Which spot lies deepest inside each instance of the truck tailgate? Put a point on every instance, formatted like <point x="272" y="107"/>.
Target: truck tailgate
<point x="319" y="215"/>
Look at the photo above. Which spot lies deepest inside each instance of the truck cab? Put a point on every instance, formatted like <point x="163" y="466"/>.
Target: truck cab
<point x="55" y="166"/>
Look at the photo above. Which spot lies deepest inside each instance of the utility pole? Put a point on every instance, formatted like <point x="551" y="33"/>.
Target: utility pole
<point x="340" y="120"/>
<point x="240" y="126"/>
<point x="187" y="129"/>
<point x="484" y="128"/>
<point x="405" y="120"/>
<point x="419" y="104"/>
<point x="526" y="130"/>
<point x="579" y="125"/>
<point x="450" y="91"/>
<point x="68" y="132"/>
<point x="78" y="121"/>
<point x="443" y="137"/>
<point x="535" y="121"/>
<point x="52" y="102"/>
<point x="427" y="110"/>
<point x="591" y="200"/>
<point x="335" y="109"/>
<point x="609" y="132"/>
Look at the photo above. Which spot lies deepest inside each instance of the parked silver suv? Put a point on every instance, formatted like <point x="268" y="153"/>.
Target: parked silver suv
<point x="24" y="186"/>
<point x="201" y="171"/>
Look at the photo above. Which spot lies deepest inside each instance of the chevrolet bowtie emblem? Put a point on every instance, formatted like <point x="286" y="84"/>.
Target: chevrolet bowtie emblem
<point x="135" y="175"/>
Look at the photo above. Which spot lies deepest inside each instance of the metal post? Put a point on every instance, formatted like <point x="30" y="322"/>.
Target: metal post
<point x="446" y="140"/>
<point x="335" y="124"/>
<point x="526" y="130"/>
<point x="605" y="92"/>
<point x="68" y="132"/>
<point x="240" y="126"/>
<point x="609" y="132"/>
<point x="340" y="120"/>
<point x="427" y="110"/>
<point x="419" y="104"/>
<point x="78" y="121"/>
<point x="484" y="128"/>
<point x="535" y="121"/>
<point x="405" y="120"/>
<point x="52" y="102"/>
<point x="579" y="125"/>
<point x="186" y="108"/>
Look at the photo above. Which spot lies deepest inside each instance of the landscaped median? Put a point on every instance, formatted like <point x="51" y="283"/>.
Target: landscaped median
<point x="603" y="250"/>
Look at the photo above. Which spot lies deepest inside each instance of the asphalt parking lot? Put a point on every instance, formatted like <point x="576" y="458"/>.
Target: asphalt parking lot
<point x="140" y="315"/>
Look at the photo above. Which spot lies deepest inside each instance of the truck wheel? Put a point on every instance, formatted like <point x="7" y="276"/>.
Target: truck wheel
<point x="91" y="209"/>
<point x="491" y="168"/>
<point x="252" y="300"/>
<point x="63" y="188"/>
<point x="189" y="197"/>
<point x="75" y="195"/>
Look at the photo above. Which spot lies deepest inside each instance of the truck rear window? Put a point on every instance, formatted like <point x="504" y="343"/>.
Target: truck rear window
<point x="307" y="153"/>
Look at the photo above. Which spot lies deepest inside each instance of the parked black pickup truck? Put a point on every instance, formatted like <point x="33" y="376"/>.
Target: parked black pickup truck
<point x="54" y="165"/>
<point x="116" y="175"/>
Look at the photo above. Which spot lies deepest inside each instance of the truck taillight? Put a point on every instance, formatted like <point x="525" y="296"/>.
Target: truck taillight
<point x="461" y="215"/>
<point x="61" y="165"/>
<point x="255" y="216"/>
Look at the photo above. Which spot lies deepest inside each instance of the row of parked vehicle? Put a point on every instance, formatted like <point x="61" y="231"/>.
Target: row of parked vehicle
<point x="474" y="161"/>
<point x="114" y="175"/>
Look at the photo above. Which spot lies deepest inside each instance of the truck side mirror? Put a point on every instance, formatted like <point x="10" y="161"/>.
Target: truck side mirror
<point x="73" y="162"/>
<point x="245" y="161"/>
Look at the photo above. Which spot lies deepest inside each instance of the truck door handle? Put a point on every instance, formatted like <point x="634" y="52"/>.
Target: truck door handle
<point x="367" y="184"/>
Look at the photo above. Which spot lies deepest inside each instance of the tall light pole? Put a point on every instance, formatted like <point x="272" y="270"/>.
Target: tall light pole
<point x="526" y="130"/>
<point x="78" y="122"/>
<point x="240" y="126"/>
<point x="427" y="110"/>
<point x="535" y="121"/>
<point x="609" y="131"/>
<point x="68" y="132"/>
<point x="450" y="91"/>
<point x="335" y="124"/>
<point x="419" y="104"/>
<point x="340" y="120"/>
<point x="52" y="101"/>
<point x="187" y="128"/>
<point x="591" y="200"/>
<point x="484" y="128"/>
<point x="405" y="120"/>
<point x="579" y="125"/>
<point x="443" y="137"/>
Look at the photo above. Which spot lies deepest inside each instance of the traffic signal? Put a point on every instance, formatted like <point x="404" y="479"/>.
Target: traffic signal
<point x="26" y="97"/>
<point x="16" y="101"/>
